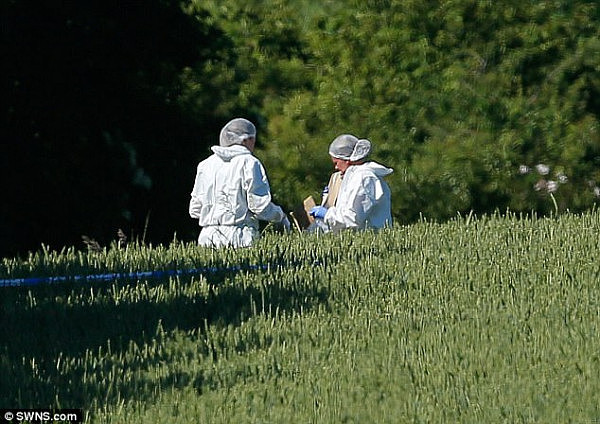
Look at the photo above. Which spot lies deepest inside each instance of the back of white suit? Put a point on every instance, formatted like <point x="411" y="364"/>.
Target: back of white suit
<point x="231" y="194"/>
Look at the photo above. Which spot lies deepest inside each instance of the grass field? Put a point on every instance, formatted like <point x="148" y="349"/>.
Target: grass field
<point x="478" y="320"/>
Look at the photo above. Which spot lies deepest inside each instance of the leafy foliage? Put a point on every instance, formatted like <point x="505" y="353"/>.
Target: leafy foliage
<point x="456" y="96"/>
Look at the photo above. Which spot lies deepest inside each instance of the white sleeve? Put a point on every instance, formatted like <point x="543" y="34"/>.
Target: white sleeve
<point x="259" y="194"/>
<point x="196" y="202"/>
<point x="352" y="209"/>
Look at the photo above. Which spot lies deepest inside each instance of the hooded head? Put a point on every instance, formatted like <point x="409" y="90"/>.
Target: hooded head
<point x="348" y="147"/>
<point x="236" y="131"/>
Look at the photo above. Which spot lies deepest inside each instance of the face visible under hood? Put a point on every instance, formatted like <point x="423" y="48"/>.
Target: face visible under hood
<point x="228" y="153"/>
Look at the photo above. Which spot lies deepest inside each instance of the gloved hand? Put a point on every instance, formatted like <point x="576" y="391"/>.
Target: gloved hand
<point x="318" y="211"/>
<point x="285" y="223"/>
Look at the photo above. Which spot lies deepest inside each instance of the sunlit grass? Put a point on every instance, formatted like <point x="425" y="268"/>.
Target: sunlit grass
<point x="490" y="319"/>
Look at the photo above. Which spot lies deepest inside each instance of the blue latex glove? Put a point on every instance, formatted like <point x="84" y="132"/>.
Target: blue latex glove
<point x="318" y="211"/>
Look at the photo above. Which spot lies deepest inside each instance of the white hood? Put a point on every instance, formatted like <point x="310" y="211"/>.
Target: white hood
<point x="377" y="169"/>
<point x="228" y="153"/>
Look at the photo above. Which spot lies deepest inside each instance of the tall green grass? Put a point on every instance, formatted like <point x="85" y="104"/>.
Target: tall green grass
<point x="490" y="319"/>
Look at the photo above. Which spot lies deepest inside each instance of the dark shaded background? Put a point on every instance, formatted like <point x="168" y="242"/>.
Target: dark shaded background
<point x="93" y="138"/>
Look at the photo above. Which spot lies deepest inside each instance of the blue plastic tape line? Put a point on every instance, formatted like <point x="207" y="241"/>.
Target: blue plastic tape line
<point x="33" y="281"/>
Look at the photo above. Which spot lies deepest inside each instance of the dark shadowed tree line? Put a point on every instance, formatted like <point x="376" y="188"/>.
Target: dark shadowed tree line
<point x="94" y="137"/>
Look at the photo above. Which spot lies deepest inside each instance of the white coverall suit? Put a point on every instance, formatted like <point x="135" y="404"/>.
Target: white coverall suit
<point x="363" y="200"/>
<point x="231" y="194"/>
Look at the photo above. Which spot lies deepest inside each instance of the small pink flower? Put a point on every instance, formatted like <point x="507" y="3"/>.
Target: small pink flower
<point x="562" y="178"/>
<point x="524" y="169"/>
<point x="542" y="169"/>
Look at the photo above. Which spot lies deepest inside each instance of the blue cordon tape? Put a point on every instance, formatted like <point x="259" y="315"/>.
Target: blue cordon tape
<point x="33" y="281"/>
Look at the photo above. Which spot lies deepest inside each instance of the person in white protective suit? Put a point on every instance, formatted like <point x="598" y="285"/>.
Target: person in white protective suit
<point x="364" y="198"/>
<point x="231" y="192"/>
